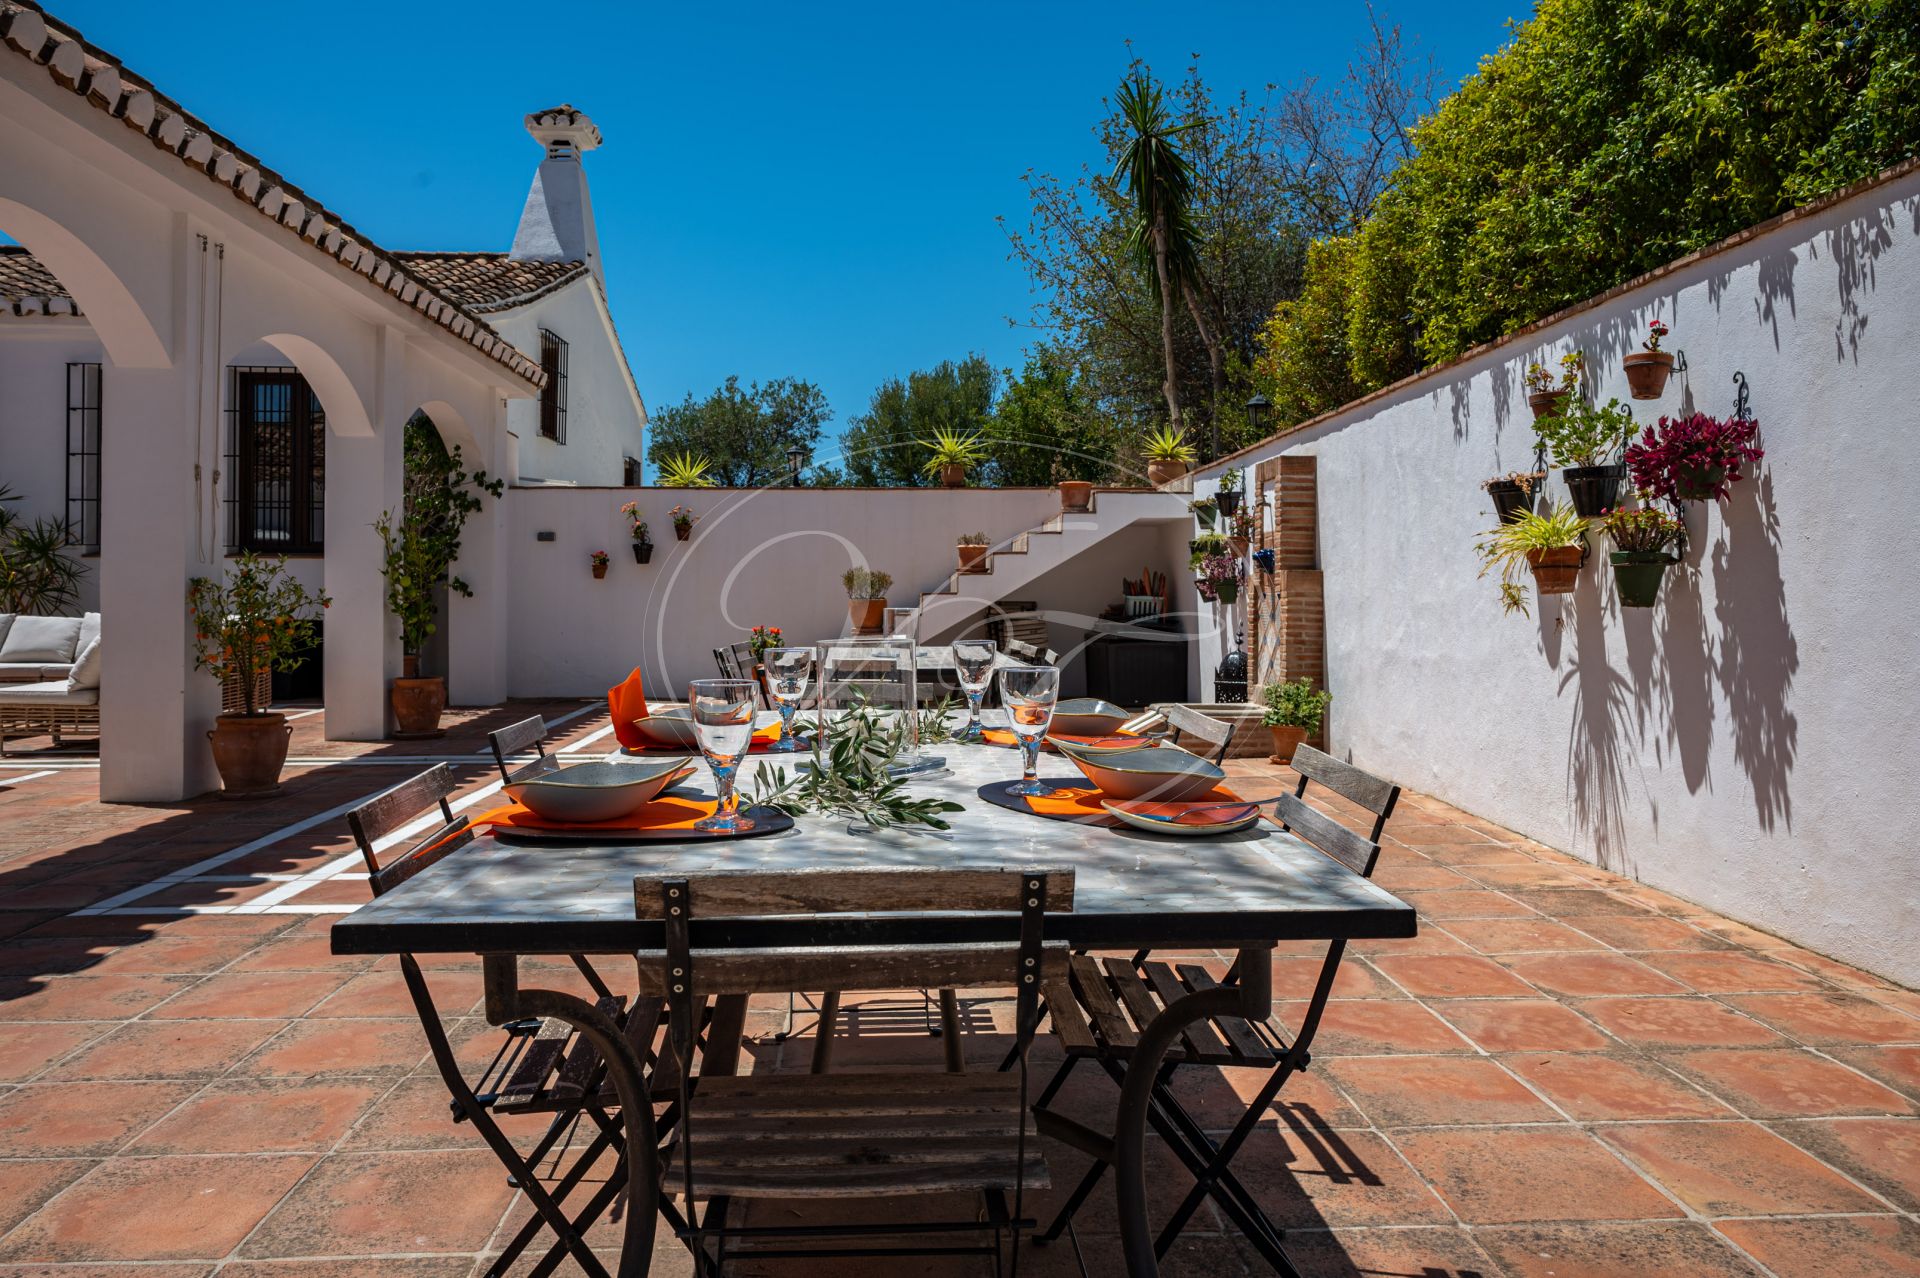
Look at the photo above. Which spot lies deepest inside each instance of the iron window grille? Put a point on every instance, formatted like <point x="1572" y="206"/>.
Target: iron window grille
<point x="553" y="398"/>
<point x="83" y="457"/>
<point x="275" y="463"/>
<point x="630" y="472"/>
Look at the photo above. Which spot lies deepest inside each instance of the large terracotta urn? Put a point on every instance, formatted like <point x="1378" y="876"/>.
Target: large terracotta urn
<point x="867" y="615"/>
<point x="417" y="703"/>
<point x="1076" y="495"/>
<point x="249" y="750"/>
<point x="1286" y="739"/>
<point x="1161" y="473"/>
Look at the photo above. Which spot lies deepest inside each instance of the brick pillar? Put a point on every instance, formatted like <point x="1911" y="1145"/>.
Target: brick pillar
<point x="1287" y="610"/>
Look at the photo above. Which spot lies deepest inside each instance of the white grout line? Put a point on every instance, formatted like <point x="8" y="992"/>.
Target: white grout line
<point x="585" y="741"/>
<point x="31" y="776"/>
<point x="301" y="714"/>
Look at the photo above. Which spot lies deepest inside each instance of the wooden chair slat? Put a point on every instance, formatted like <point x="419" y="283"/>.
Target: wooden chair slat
<point x="758" y="893"/>
<point x="1091" y="984"/>
<point x="1247" y="1045"/>
<point x="1203" y="1040"/>
<point x="456" y="833"/>
<point x="1131" y="990"/>
<point x="530" y="731"/>
<point x="384" y="813"/>
<point x="1373" y="793"/>
<point x="1069" y="1022"/>
<point x="853" y="967"/>
<point x="537" y="1064"/>
<point x="1336" y="840"/>
<point x="1209" y="729"/>
<point x="577" y="1070"/>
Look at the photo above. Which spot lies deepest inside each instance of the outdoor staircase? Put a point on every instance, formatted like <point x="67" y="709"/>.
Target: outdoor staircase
<point x="962" y="597"/>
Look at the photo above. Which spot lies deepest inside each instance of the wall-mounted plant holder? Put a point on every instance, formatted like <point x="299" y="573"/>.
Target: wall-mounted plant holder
<point x="1263" y="560"/>
<point x="642" y="552"/>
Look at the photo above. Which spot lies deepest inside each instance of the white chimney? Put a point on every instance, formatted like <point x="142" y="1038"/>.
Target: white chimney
<point x="557" y="224"/>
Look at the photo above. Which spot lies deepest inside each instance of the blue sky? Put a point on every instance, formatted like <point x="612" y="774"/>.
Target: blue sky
<point x="785" y="190"/>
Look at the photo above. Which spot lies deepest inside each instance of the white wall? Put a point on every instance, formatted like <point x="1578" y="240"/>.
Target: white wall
<point x="770" y="557"/>
<point x="1749" y="744"/>
<point x="605" y="418"/>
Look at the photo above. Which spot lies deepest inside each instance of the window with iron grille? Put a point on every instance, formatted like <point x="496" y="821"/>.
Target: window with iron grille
<point x="630" y="472"/>
<point x="276" y="459"/>
<point x="83" y="457"/>
<point x="553" y="399"/>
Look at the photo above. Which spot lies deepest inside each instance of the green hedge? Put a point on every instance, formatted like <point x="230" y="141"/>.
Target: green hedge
<point x="1607" y="138"/>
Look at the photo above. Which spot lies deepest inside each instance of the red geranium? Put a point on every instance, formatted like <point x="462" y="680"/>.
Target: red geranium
<point x="1693" y="458"/>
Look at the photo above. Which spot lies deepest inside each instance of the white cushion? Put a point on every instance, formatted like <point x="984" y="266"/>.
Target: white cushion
<point x="6" y="624"/>
<point x="86" y="666"/>
<point x="89" y="631"/>
<point x="56" y="693"/>
<point x="29" y="672"/>
<point x="41" y="639"/>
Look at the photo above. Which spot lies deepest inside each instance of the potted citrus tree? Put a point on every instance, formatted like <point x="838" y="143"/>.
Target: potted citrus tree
<point x="421" y="543"/>
<point x="1586" y="440"/>
<point x="1168" y="455"/>
<point x="256" y="619"/>
<point x="1648" y="368"/>
<point x="973" y="552"/>
<point x="1294" y="712"/>
<point x="952" y="452"/>
<point x="1640" y="555"/>
<point x="637" y="527"/>
<point x="866" y="598"/>
<point x="1551" y="546"/>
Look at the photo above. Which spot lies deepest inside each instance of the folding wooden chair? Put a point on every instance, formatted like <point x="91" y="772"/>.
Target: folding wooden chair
<point x="1217" y="733"/>
<point x="540" y="1067"/>
<point x="1101" y="1009"/>
<point x="531" y="731"/>
<point x="850" y="1135"/>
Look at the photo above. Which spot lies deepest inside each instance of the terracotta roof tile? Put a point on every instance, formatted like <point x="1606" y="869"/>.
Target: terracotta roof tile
<point x="484" y="282"/>
<point x="29" y="288"/>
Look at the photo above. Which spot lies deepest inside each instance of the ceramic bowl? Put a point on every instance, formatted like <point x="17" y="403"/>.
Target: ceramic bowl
<point x="669" y="726"/>
<point x="1170" y="776"/>
<point x="1087" y="717"/>
<point x="1093" y="747"/>
<point x="597" y="791"/>
<point x="1153" y="818"/>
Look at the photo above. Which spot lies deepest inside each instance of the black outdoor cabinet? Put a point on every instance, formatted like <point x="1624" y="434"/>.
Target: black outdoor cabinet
<point x="1137" y="664"/>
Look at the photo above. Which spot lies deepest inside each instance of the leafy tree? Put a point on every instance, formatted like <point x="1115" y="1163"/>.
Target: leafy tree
<point x="745" y="434"/>
<point x="421" y="541"/>
<point x="879" y="448"/>
<point x="1047" y="428"/>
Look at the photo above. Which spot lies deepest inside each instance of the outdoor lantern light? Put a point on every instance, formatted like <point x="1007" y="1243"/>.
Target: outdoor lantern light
<point x="795" y="456"/>
<point x="1256" y="407"/>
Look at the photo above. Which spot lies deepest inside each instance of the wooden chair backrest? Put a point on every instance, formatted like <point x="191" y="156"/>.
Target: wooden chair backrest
<point x="531" y="731"/>
<point x="1375" y="794"/>
<point x="386" y="814"/>
<point x="724" y="664"/>
<point x="1215" y="732"/>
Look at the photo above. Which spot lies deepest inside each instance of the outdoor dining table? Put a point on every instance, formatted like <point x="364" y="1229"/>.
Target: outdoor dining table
<point x="504" y="900"/>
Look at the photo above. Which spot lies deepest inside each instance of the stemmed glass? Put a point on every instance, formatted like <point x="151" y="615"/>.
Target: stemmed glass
<point x="973" y="658"/>
<point x="1029" y="693"/>
<point x="723" y="724"/>
<point x="789" y="671"/>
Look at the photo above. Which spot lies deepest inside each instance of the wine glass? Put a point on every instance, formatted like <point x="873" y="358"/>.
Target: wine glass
<point x="789" y="671"/>
<point x="973" y="658"/>
<point x="1029" y="693"/>
<point x="723" y="724"/>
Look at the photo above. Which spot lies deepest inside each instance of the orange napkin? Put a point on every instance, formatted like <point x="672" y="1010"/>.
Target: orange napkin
<point x="1074" y="803"/>
<point x="627" y="701"/>
<point x="762" y="738"/>
<point x="666" y="813"/>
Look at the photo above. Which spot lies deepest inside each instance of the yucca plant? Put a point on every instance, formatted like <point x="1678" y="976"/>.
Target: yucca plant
<point x="1539" y="544"/>
<point x="952" y="448"/>
<point x="1168" y="444"/>
<point x="684" y="470"/>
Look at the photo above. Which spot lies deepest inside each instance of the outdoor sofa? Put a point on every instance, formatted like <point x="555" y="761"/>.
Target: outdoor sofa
<point x="49" y="676"/>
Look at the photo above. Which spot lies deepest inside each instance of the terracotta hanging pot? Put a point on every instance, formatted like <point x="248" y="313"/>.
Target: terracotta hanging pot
<point x="1647" y="373"/>
<point x="1546" y="403"/>
<point x="972" y="558"/>
<point x="417" y="703"/>
<point x="599" y="572"/>
<point x="249" y="750"/>
<point x="1076" y="496"/>
<point x="954" y="475"/>
<point x="867" y="615"/>
<point x="1556" y="570"/>
<point x="1286" y="739"/>
<point x="1162" y="473"/>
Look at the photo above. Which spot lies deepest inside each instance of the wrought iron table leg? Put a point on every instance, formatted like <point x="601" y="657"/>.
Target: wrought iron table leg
<point x="507" y="1001"/>
<point x="1253" y="999"/>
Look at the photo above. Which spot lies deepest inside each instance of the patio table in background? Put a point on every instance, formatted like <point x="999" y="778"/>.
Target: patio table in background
<point x="504" y="900"/>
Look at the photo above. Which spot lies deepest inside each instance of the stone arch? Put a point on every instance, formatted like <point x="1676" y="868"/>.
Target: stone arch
<point x="346" y="407"/>
<point x="117" y="316"/>
<point x="453" y="427"/>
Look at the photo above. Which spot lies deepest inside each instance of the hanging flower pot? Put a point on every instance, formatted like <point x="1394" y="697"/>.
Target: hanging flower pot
<point x="1238" y="545"/>
<point x="1556" y="570"/>
<point x="1228" y="500"/>
<point x="1595" y="489"/>
<point x="1546" y="403"/>
<point x="642" y="552"/>
<point x="1510" y="498"/>
<point x="1207" y="513"/>
<point x="1698" y="483"/>
<point x="1263" y="560"/>
<point x="1647" y="373"/>
<point x="1637" y="575"/>
<point x="1227" y="591"/>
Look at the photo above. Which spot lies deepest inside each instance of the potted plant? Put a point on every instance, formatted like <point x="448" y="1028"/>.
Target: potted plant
<point x="642" y="542"/>
<point x="1693" y="458"/>
<point x="684" y="470"/>
<point x="952" y="452"/>
<point x="1294" y="712"/>
<point x="1552" y="546"/>
<point x="1219" y="580"/>
<point x="1545" y="392"/>
<point x="257" y="618"/>
<point x="1076" y="496"/>
<point x="1240" y="531"/>
<point x="1263" y="559"/>
<point x="683" y="522"/>
<point x="1585" y="439"/>
<point x="1168" y="455"/>
<point x="973" y="552"/>
<point x="1512" y="492"/>
<point x="421" y="544"/>
<point x="1205" y="512"/>
<point x="1203" y="546"/>
<point x="599" y="559"/>
<point x="1227" y="497"/>
<point x="1648" y="369"/>
<point x="1640" y="559"/>
<point x="760" y="641"/>
<point x="866" y="598"/>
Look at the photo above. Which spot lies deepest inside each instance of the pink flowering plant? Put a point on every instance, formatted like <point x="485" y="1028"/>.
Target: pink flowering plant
<point x="599" y="558"/>
<point x="635" y="525"/>
<point x="1655" y="331"/>
<point x="1693" y="458"/>
<point x="1219" y="578"/>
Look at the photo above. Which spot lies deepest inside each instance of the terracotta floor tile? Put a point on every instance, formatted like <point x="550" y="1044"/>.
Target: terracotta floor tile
<point x="414" y="1115"/>
<point x="1526" y="876"/>
<point x="1520" y="936"/>
<point x="1417" y="878"/>
<point x="1830" y="1019"/>
<point x="1897" y="1067"/>
<point x="1787" y="1083"/>
<point x="1676" y="1022"/>
<point x="382" y="1267"/>
<point x="1736" y="1169"/>
<point x="1428" y="940"/>
<point x="1465" y="854"/>
<point x="1580" y="903"/>
<point x="1437" y="1252"/>
<point x="1670" y="1249"/>
<point x="1847" y="1247"/>
<point x="388" y="1202"/>
<point x="1296" y="978"/>
<point x="1517" y="1174"/>
<point x="25" y="1050"/>
<point x="1426" y="1091"/>
<point x="383" y="992"/>
<point x="262" y="1117"/>
<point x="1731" y="972"/>
<point x="302" y="953"/>
<point x="1590" y="975"/>
<point x="27" y="1183"/>
<point x="1366" y="1027"/>
<point x="161" y="1209"/>
<point x="87" y="998"/>
<point x="74" y="1119"/>
<point x="191" y="1269"/>
<point x="339" y="1047"/>
<point x="1452" y="975"/>
<point x="1648" y="932"/>
<point x="340" y="890"/>
<point x="1521" y="1024"/>
<point x="252" y="995"/>
<point x="1472" y="904"/>
<point x="1882" y="1153"/>
<point x="169" y="1049"/>
<point x="1592" y="1086"/>
<point x="1306" y="1176"/>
